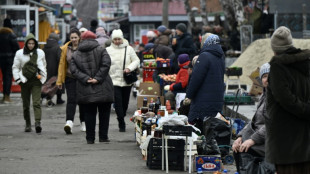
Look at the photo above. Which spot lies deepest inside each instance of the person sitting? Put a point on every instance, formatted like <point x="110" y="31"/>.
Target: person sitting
<point x="251" y="139"/>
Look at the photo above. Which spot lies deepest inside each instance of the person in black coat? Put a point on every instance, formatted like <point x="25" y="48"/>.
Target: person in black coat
<point x="184" y="44"/>
<point x="52" y="56"/>
<point x="8" y="48"/>
<point x="205" y="92"/>
<point x="288" y="106"/>
<point x="90" y="65"/>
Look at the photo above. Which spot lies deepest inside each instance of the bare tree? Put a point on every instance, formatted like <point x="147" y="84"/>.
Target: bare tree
<point x="234" y="13"/>
<point x="190" y="14"/>
<point x="165" y="13"/>
<point x="203" y="12"/>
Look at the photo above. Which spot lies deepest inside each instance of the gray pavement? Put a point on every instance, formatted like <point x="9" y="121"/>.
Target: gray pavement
<point x="53" y="151"/>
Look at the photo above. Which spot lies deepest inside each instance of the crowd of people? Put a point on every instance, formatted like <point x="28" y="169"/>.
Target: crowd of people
<point x="91" y="66"/>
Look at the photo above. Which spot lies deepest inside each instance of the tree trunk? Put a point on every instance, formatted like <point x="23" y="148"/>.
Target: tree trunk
<point x="165" y="13"/>
<point x="191" y="18"/>
<point x="203" y="12"/>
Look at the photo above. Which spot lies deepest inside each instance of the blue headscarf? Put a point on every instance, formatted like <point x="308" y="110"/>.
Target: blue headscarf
<point x="211" y="40"/>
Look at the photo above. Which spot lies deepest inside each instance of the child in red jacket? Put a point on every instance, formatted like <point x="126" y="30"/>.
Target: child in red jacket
<point x="182" y="76"/>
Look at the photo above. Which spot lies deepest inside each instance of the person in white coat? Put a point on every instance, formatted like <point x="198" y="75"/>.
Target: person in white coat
<point x="117" y="50"/>
<point x="29" y="71"/>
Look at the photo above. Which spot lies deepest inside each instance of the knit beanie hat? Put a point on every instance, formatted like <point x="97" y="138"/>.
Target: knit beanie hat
<point x="117" y="34"/>
<point x="148" y="46"/>
<point x="182" y="27"/>
<point x="281" y="40"/>
<point x="162" y="28"/>
<point x="183" y="58"/>
<point x="54" y="36"/>
<point x="264" y="69"/>
<point x="81" y="30"/>
<point x="150" y="34"/>
<point x="100" y="30"/>
<point x="88" y="35"/>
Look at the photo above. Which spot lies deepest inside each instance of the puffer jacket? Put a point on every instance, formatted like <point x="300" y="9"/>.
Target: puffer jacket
<point x="8" y="45"/>
<point x="256" y="129"/>
<point x="288" y="108"/>
<point x="181" y="80"/>
<point x="206" y="87"/>
<point x="117" y="60"/>
<point x="92" y="61"/>
<point x="163" y="39"/>
<point x="20" y="59"/>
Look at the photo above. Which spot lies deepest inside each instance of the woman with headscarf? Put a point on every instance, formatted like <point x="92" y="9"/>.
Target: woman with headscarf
<point x="205" y="91"/>
<point x="118" y="51"/>
<point x="29" y="71"/>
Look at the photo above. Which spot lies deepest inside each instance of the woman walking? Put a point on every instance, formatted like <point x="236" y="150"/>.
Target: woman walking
<point x="65" y="76"/>
<point x="118" y="51"/>
<point x="29" y="70"/>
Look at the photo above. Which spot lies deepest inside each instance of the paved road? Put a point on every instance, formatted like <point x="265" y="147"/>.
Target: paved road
<point x="53" y="151"/>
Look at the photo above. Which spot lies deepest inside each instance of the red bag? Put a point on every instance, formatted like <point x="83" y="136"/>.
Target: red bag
<point x="50" y="88"/>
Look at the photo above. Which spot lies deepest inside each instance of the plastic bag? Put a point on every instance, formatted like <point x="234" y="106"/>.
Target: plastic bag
<point x="208" y="147"/>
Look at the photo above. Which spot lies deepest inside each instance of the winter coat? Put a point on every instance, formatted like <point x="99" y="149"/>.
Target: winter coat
<point x="288" y="108"/>
<point x="8" y="45"/>
<point x="92" y="61"/>
<point x="52" y="56"/>
<point x="20" y="59"/>
<point x="185" y="45"/>
<point x="206" y="87"/>
<point x="181" y="79"/>
<point x="63" y="67"/>
<point x="162" y="51"/>
<point x="256" y="129"/>
<point x="163" y="39"/>
<point x="117" y="61"/>
<point x="102" y="38"/>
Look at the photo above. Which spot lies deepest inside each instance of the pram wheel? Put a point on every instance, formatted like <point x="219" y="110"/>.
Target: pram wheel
<point x="228" y="159"/>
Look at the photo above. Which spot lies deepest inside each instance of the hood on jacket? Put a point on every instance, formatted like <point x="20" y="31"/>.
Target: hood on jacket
<point x="101" y="34"/>
<point x="124" y="44"/>
<point x="6" y="30"/>
<point x="30" y="37"/>
<point x="216" y="50"/>
<point x="88" y="45"/>
<point x="295" y="58"/>
<point x="50" y="43"/>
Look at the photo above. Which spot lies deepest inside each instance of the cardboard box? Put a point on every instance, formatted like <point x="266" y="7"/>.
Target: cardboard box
<point x="208" y="163"/>
<point x="254" y="76"/>
<point x="141" y="97"/>
<point x="149" y="89"/>
<point x="256" y="90"/>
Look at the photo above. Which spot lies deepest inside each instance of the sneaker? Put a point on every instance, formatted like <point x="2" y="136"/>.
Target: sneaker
<point x="68" y="127"/>
<point x="50" y="103"/>
<point x="83" y="127"/>
<point x="38" y="127"/>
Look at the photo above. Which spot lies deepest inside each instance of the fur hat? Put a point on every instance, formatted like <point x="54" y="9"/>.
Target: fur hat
<point x="150" y="34"/>
<point x="117" y="33"/>
<point x="81" y="30"/>
<point x="88" y="35"/>
<point x="281" y="40"/>
<point x="162" y="28"/>
<point x="183" y="58"/>
<point x="182" y="27"/>
<point x="148" y="46"/>
<point x="264" y="69"/>
<point x="54" y="36"/>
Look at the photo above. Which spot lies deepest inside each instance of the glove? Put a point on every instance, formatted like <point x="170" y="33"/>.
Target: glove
<point x="167" y="87"/>
<point x="187" y="101"/>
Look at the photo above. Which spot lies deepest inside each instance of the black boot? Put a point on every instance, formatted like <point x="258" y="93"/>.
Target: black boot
<point x="28" y="126"/>
<point x="121" y="124"/>
<point x="38" y="127"/>
<point x="59" y="100"/>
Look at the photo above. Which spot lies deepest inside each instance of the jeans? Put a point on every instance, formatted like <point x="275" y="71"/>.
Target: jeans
<point x="71" y="97"/>
<point x="121" y="100"/>
<point x="90" y="112"/>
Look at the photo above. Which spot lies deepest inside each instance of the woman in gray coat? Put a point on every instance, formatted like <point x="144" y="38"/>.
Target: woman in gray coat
<point x="252" y="137"/>
<point x="90" y="65"/>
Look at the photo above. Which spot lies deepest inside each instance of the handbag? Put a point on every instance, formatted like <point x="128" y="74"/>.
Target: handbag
<point x="130" y="77"/>
<point x="50" y="88"/>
